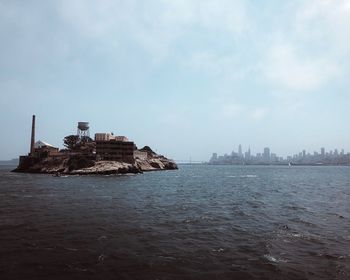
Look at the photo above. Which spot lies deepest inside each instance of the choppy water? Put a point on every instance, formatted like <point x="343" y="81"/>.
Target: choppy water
<point x="200" y="222"/>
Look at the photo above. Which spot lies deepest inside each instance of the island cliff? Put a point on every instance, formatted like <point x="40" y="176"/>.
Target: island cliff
<point x="84" y="165"/>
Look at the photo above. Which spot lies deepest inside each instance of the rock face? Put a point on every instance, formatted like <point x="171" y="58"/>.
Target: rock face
<point x="156" y="163"/>
<point x="83" y="165"/>
<point x="107" y="167"/>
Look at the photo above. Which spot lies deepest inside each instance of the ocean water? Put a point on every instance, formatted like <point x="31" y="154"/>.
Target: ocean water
<point x="199" y="222"/>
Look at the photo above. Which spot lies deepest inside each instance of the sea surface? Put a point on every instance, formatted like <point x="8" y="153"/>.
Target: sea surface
<point x="199" y="222"/>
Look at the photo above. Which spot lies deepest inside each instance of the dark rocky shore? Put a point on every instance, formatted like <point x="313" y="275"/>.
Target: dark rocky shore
<point x="83" y="165"/>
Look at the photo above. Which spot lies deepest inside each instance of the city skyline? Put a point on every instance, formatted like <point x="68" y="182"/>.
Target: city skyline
<point x="322" y="150"/>
<point x="267" y="156"/>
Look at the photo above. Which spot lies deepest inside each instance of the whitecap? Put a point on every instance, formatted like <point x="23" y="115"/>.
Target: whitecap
<point x="205" y="217"/>
<point x="270" y="258"/>
<point x="220" y="250"/>
<point x="273" y="259"/>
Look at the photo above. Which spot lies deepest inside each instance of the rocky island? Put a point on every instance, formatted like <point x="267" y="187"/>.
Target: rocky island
<point x="107" y="154"/>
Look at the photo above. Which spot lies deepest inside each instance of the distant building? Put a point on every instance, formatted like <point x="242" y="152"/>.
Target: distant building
<point x="273" y="157"/>
<point x="41" y="144"/>
<point x="240" y="154"/>
<point x="103" y="136"/>
<point x="336" y="157"/>
<point x="43" y="149"/>
<point x="214" y="157"/>
<point x="109" y="136"/>
<point x="266" y="155"/>
<point x="121" y="138"/>
<point x="115" y="148"/>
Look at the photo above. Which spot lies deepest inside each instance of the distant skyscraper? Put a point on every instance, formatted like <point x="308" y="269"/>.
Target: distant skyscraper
<point x="323" y="152"/>
<point x="240" y="150"/>
<point x="214" y="157"/>
<point x="266" y="155"/>
<point x="273" y="157"/>
<point x="304" y="153"/>
<point x="247" y="154"/>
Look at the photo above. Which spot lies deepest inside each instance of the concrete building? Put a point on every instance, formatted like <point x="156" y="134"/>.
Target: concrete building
<point x="116" y="148"/>
<point x="43" y="149"/>
<point x="121" y="138"/>
<point x="109" y="136"/>
<point x="103" y="136"/>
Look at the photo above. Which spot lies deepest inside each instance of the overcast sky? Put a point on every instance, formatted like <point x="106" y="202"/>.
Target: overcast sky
<point x="186" y="77"/>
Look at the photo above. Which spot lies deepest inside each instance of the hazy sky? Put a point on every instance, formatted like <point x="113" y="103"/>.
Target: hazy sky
<point x="186" y="77"/>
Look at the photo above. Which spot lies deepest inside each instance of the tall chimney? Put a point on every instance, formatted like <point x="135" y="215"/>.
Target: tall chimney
<point x="32" y="142"/>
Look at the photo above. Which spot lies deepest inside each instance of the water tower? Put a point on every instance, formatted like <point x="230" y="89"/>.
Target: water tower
<point x="83" y="130"/>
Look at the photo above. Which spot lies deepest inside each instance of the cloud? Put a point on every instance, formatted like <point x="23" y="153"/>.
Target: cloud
<point x="259" y="113"/>
<point x="230" y="110"/>
<point x="154" y="25"/>
<point x="223" y="67"/>
<point x="284" y="67"/>
<point x="309" y="53"/>
<point x="220" y="15"/>
<point x="173" y="118"/>
<point x="325" y="21"/>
